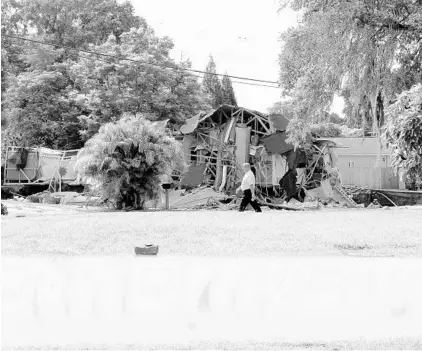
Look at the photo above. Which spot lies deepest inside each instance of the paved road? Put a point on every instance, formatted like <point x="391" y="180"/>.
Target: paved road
<point x="168" y="300"/>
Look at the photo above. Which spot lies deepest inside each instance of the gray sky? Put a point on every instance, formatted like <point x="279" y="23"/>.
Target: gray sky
<point x="242" y="35"/>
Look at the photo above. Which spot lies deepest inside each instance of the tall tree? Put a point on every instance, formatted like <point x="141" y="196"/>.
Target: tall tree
<point x="106" y="89"/>
<point x="229" y="96"/>
<point x="212" y="84"/>
<point x="62" y="96"/>
<point x="365" y="50"/>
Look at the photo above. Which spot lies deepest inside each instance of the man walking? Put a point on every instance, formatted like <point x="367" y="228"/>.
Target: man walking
<point x="248" y="188"/>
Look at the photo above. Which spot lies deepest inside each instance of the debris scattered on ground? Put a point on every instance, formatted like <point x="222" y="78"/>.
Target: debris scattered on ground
<point x="206" y="198"/>
<point x="282" y="207"/>
<point x="197" y="198"/>
<point x="18" y="209"/>
<point x="64" y="198"/>
<point x="4" y="211"/>
<point x="44" y="197"/>
<point x="374" y="204"/>
<point x="354" y="189"/>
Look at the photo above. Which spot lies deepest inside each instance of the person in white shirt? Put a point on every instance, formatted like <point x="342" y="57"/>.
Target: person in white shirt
<point x="248" y="188"/>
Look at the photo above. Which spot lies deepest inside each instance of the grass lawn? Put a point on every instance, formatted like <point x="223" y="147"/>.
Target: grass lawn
<point x="53" y="230"/>
<point x="395" y="344"/>
<point x="379" y="232"/>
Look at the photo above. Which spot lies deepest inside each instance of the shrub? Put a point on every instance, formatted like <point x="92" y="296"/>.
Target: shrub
<point x="125" y="160"/>
<point x="4" y="211"/>
<point x="404" y="132"/>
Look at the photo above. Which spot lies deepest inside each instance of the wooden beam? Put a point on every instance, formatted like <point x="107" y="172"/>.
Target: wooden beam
<point x="225" y="146"/>
<point x="209" y="136"/>
<point x="215" y="158"/>
<point x="229" y="130"/>
<point x="263" y="125"/>
<point x="225" y="114"/>
<point x="237" y="113"/>
<point x="258" y="132"/>
<point x="250" y="121"/>
<point x="219" y="171"/>
<point x="209" y="169"/>
<point x="203" y="139"/>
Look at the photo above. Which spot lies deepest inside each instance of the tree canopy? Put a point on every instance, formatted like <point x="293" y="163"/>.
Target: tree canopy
<point x="58" y="96"/>
<point x="367" y="51"/>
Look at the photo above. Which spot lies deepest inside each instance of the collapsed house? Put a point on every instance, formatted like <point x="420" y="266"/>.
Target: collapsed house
<point x="217" y="143"/>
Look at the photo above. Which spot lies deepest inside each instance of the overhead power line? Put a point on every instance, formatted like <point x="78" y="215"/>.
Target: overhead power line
<point x="193" y="75"/>
<point x="138" y="61"/>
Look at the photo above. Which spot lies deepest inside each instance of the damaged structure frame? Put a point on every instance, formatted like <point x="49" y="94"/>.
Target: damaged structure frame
<point x="217" y="143"/>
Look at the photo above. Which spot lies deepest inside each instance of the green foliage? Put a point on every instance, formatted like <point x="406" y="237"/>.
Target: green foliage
<point x="40" y="111"/>
<point x="125" y="160"/>
<point x="284" y="108"/>
<point x="212" y="84"/>
<point x="218" y="92"/>
<point x="59" y="98"/>
<point x="365" y="51"/>
<point x="76" y="22"/>
<point x="106" y="89"/>
<point x="404" y="132"/>
<point x="325" y="130"/>
<point x="229" y="96"/>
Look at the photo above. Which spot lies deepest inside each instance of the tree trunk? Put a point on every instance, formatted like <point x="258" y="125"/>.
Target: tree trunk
<point x="375" y="128"/>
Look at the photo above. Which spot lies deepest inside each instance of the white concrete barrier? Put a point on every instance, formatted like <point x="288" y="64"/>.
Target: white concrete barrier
<point x="164" y="300"/>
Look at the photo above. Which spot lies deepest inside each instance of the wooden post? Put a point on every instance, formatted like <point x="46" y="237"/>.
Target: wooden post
<point x="219" y="164"/>
<point x="167" y="200"/>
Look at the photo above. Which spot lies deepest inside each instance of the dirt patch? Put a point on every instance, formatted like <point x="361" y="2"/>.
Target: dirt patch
<point x="353" y="247"/>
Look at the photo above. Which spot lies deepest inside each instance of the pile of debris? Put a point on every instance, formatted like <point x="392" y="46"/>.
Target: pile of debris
<point x="44" y="197"/>
<point x="64" y="198"/>
<point x="197" y="198"/>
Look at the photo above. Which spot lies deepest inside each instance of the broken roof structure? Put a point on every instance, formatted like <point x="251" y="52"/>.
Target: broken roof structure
<point x="216" y="144"/>
<point x="224" y="113"/>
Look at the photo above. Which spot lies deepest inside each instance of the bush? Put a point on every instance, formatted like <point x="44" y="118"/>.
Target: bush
<point x="126" y="159"/>
<point x="404" y="133"/>
<point x="4" y="211"/>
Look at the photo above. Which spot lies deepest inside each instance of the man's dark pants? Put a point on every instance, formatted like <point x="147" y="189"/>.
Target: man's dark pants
<point x="247" y="199"/>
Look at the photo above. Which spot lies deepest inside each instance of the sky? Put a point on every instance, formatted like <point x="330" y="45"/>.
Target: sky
<point x="242" y="36"/>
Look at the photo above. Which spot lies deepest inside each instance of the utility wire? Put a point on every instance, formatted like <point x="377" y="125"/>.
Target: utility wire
<point x="137" y="61"/>
<point x="193" y="75"/>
